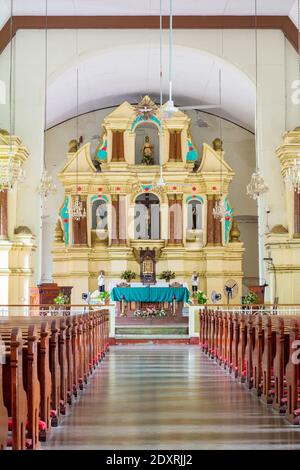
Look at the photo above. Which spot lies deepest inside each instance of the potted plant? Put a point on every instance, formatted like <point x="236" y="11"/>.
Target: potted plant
<point x="128" y="275"/>
<point x="199" y="297"/>
<point x="61" y="299"/>
<point x="167" y="275"/>
<point x="104" y="297"/>
<point x="250" y="299"/>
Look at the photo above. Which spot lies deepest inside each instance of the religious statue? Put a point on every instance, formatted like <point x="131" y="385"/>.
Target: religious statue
<point x="218" y="145"/>
<point x="147" y="224"/>
<point x="194" y="217"/>
<point x="73" y="146"/>
<point x="147" y="151"/>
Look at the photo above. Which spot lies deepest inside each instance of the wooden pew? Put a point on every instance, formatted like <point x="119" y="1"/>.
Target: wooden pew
<point x="292" y="375"/>
<point x="30" y="378"/>
<point x="14" y="395"/>
<point x="53" y="359"/>
<point x="257" y="354"/>
<point x="3" y="410"/>
<point x="249" y="351"/>
<point x="268" y="358"/>
<point x="235" y="344"/>
<point x="43" y="326"/>
<point x="242" y="348"/>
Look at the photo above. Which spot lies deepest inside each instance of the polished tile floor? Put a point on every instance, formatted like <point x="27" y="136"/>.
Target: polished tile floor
<point x="168" y="397"/>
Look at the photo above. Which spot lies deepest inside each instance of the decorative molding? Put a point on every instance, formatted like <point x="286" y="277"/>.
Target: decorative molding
<point x="283" y="23"/>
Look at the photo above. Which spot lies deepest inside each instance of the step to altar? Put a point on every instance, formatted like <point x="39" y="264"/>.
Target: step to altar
<point x="174" y="330"/>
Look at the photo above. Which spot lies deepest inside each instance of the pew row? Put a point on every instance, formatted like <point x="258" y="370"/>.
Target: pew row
<point x="261" y="351"/>
<point x="47" y="360"/>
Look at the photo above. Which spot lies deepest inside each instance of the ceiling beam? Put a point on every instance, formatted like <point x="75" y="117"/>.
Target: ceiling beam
<point x="283" y="23"/>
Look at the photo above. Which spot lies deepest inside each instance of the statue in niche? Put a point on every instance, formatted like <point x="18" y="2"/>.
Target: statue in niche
<point x="147" y="152"/>
<point x="194" y="217"/>
<point x="101" y="217"/>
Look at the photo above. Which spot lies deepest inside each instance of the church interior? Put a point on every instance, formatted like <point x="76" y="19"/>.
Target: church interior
<point x="149" y="224"/>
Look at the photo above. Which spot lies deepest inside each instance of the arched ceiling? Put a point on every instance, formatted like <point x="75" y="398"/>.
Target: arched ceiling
<point x="145" y="7"/>
<point x="129" y="73"/>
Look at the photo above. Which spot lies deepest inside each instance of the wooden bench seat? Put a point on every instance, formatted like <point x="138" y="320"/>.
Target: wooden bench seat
<point x="47" y="360"/>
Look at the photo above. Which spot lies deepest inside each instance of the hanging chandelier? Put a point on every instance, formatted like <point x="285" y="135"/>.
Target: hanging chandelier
<point x="257" y="186"/>
<point x="11" y="172"/>
<point x="46" y="186"/>
<point x="292" y="176"/>
<point x="78" y="212"/>
<point x="220" y="210"/>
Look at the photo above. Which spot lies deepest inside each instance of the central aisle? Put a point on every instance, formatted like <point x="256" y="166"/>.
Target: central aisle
<point x="168" y="397"/>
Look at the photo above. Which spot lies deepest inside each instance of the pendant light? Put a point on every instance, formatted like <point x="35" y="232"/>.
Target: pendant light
<point x="78" y="212"/>
<point x="257" y="185"/>
<point x="11" y="170"/>
<point x="220" y="210"/>
<point x="161" y="182"/>
<point x="47" y="186"/>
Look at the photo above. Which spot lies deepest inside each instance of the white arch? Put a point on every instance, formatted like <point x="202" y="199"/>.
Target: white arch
<point x="106" y="78"/>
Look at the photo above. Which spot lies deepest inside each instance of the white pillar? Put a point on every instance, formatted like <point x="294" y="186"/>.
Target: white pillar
<point x="271" y="115"/>
<point x="29" y="126"/>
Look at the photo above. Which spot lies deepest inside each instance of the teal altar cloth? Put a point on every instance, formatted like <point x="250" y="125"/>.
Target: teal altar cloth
<point x="150" y="294"/>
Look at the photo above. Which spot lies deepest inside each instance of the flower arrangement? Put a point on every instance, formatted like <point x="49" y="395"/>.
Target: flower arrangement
<point x="128" y="275"/>
<point x="167" y="275"/>
<point x="250" y="299"/>
<point x="104" y="296"/>
<point x="150" y="313"/>
<point x="200" y="297"/>
<point x="62" y="299"/>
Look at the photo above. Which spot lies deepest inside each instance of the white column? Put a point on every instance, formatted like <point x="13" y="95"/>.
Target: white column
<point x="271" y="114"/>
<point x="29" y="126"/>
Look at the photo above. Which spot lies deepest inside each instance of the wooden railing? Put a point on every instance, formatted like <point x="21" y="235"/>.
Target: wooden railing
<point x="44" y="363"/>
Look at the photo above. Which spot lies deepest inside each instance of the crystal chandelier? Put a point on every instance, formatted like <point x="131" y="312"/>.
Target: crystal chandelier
<point x="11" y="172"/>
<point x="220" y="210"/>
<point x="78" y="211"/>
<point x="292" y="176"/>
<point x="257" y="186"/>
<point x="46" y="186"/>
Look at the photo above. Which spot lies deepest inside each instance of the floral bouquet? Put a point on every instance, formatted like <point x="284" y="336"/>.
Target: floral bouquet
<point x="150" y="312"/>
<point x="200" y="297"/>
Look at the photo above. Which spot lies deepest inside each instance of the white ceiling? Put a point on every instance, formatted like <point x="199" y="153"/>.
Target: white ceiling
<point x="146" y="7"/>
<point x="107" y="80"/>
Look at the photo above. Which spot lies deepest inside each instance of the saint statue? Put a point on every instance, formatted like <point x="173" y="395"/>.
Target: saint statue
<point x="147" y="151"/>
<point x="194" y="217"/>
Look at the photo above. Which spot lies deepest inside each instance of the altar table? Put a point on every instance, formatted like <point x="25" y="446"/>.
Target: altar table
<point x="150" y="294"/>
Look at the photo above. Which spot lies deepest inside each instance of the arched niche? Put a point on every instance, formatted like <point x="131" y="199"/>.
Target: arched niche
<point x="147" y="217"/>
<point x="143" y="130"/>
<point x="195" y="215"/>
<point x="99" y="214"/>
